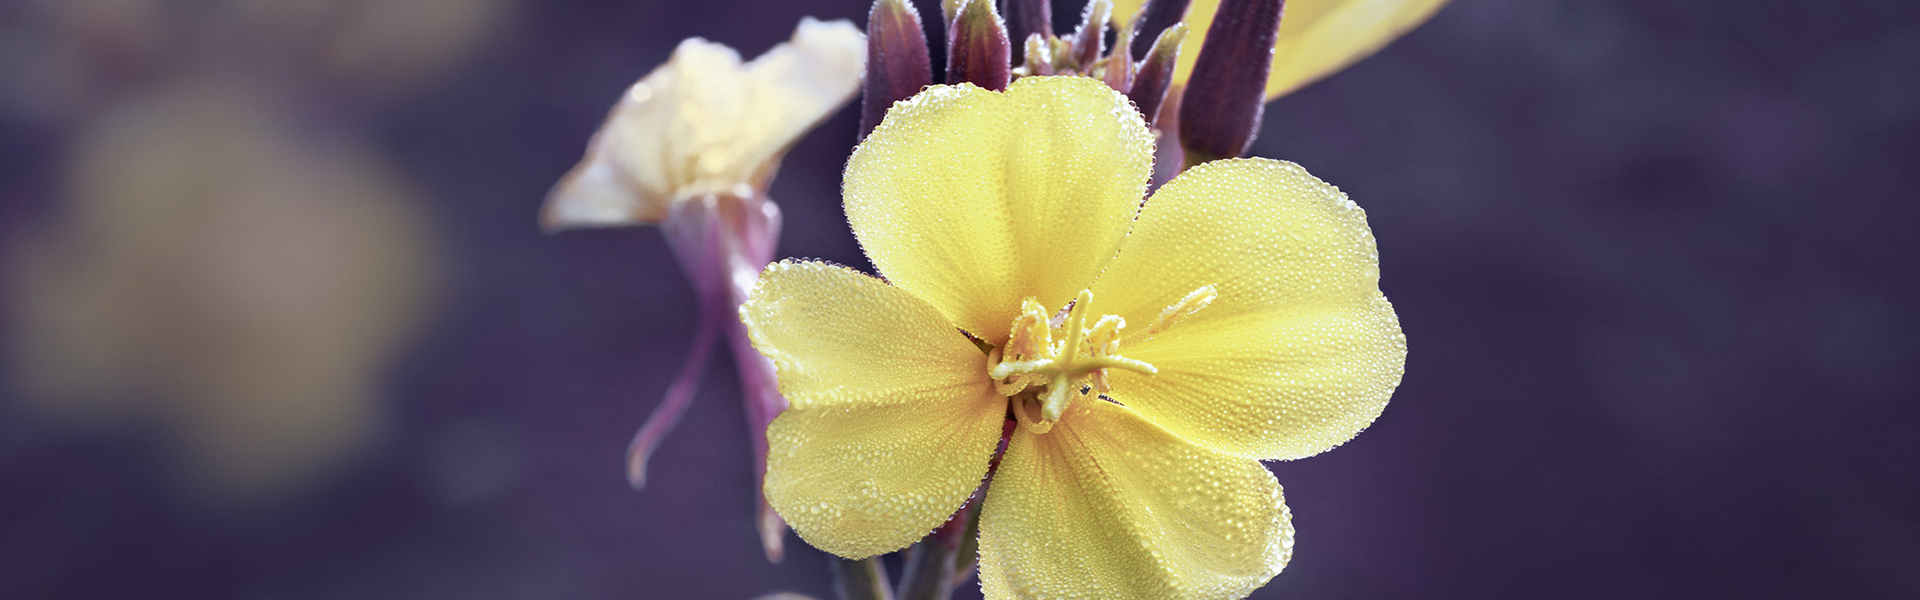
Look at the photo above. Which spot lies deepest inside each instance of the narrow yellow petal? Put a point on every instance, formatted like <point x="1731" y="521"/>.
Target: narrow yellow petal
<point x="892" y="420"/>
<point x="974" y="200"/>
<point x="1321" y="37"/>
<point x="1108" y="505"/>
<point x="1317" y="37"/>
<point x="1298" y="353"/>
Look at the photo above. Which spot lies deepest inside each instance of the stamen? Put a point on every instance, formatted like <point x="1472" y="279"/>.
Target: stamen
<point x="1011" y="368"/>
<point x="1101" y="340"/>
<point x="1038" y="368"/>
<point x="1194" y="301"/>
<point x="1020" y="414"/>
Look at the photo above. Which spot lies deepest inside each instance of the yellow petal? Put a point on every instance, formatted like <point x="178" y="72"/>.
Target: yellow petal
<point x="706" y="123"/>
<point x="1298" y="353"/>
<point x="974" y="200"/>
<point x="1107" y="505"/>
<point x="892" y="420"/>
<point x="1317" y="37"/>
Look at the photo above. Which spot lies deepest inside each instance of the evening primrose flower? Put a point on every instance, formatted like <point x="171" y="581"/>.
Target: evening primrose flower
<point x="1152" y="353"/>
<point x="692" y="147"/>
<point x="704" y="124"/>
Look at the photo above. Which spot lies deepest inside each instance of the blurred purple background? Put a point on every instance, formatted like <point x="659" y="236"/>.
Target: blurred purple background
<point x="1656" y="262"/>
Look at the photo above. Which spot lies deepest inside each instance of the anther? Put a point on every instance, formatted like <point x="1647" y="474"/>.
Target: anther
<point x="1194" y="301"/>
<point x="1037" y="366"/>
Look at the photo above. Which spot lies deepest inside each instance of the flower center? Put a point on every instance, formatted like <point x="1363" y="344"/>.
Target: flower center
<point x="1046" y="359"/>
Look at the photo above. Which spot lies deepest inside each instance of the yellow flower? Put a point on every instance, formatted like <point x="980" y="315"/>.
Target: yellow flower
<point x="705" y="124"/>
<point x="1235" y="318"/>
<point x="1317" y="37"/>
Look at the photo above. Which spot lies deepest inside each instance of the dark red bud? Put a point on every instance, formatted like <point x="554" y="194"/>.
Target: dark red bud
<point x="977" y="50"/>
<point x="897" y="62"/>
<point x="1150" y="83"/>
<point x="1117" y="71"/>
<point x="1228" y="89"/>
<point x="1156" y="16"/>
<point x="1089" y="40"/>
<point x="1026" y="18"/>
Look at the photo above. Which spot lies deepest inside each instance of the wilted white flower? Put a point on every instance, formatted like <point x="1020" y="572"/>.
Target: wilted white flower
<point x="706" y="123"/>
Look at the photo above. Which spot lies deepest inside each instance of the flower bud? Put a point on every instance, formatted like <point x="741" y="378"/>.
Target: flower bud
<point x="1220" y="113"/>
<point x="1117" y="71"/>
<point x="977" y="50"/>
<point x="1027" y="18"/>
<point x="1155" y="17"/>
<point x="897" y="62"/>
<point x="1089" y="39"/>
<point x="1039" y="56"/>
<point x="948" y="8"/>
<point x="1155" y="75"/>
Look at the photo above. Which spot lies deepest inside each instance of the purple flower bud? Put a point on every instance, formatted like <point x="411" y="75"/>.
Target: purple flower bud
<point x="1117" y="71"/>
<point x="1026" y="18"/>
<point x="1156" y="16"/>
<point x="897" y="62"/>
<point x="977" y="49"/>
<point x="1089" y="39"/>
<point x="1228" y="88"/>
<point x="1156" y="72"/>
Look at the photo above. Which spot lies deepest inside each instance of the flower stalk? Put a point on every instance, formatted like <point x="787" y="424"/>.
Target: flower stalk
<point x="864" y="579"/>
<point x="722" y="242"/>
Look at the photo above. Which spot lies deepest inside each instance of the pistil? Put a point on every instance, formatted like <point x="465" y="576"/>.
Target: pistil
<point x="1033" y="356"/>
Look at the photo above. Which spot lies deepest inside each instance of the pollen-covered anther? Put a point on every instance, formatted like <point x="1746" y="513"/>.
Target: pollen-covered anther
<point x="1194" y="301"/>
<point x="1034" y="357"/>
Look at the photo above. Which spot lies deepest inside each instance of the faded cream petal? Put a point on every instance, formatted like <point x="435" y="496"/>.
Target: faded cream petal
<point x="893" y="418"/>
<point x="706" y="123"/>
<point x="1108" y="505"/>
<point x="1317" y="37"/>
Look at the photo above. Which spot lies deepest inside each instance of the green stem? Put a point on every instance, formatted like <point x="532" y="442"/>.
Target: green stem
<point x="859" y="579"/>
<point x="932" y="564"/>
<point x="929" y="571"/>
<point x="969" y="552"/>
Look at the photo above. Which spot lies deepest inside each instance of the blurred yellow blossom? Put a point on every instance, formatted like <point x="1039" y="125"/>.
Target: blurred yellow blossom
<point x="1317" y="37"/>
<point x="229" y="274"/>
<point x="1016" y="251"/>
<point x="704" y="123"/>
